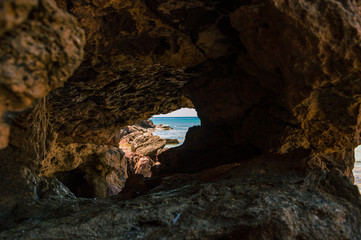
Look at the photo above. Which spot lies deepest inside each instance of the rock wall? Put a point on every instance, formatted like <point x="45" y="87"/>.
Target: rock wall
<point x="88" y="170"/>
<point x="134" y="67"/>
<point x="41" y="46"/>
<point x="275" y="84"/>
<point x="293" y="86"/>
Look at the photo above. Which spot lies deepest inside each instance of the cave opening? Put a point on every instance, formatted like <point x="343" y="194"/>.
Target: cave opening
<point x="174" y="126"/>
<point x="276" y="85"/>
<point x="103" y="170"/>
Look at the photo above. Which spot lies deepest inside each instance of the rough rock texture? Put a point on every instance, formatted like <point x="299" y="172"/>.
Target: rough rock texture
<point x="88" y="170"/>
<point x="163" y="127"/>
<point x="140" y="140"/>
<point x="148" y="144"/>
<point x="133" y="68"/>
<point x="146" y="124"/>
<point x="293" y="85"/>
<point x="41" y="46"/>
<point x="172" y="141"/>
<point x="260" y="199"/>
<point x="318" y="87"/>
<point x="277" y="88"/>
<point x="19" y="183"/>
<point x="139" y="164"/>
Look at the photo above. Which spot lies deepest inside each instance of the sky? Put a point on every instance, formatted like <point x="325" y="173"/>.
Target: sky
<point x="183" y="112"/>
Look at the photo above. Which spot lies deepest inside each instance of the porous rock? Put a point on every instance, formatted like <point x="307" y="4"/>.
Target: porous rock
<point x="229" y="202"/>
<point x="276" y="85"/>
<point x="172" y="141"/>
<point x="88" y="170"/>
<point x="146" y="124"/>
<point x="292" y="86"/>
<point x="41" y="46"/>
<point x="148" y="144"/>
<point x="139" y="164"/>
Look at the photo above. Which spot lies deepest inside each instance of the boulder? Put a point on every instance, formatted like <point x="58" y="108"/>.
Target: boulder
<point x="146" y="124"/>
<point x="148" y="144"/>
<point x="90" y="170"/>
<point x="138" y="164"/>
<point x="160" y="151"/>
<point x="128" y="135"/>
<point x="161" y="127"/>
<point x="172" y="141"/>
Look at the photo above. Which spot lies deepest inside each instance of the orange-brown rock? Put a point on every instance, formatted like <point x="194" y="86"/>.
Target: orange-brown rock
<point x="88" y="170"/>
<point x="138" y="164"/>
<point x="140" y="140"/>
<point x="293" y="85"/>
<point x="135" y="64"/>
<point x="127" y="136"/>
<point x="146" y="124"/>
<point x="41" y="46"/>
<point x="148" y="144"/>
<point x="276" y="85"/>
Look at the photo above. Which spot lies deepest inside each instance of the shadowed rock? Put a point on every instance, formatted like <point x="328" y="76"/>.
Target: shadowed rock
<point x="41" y="46"/>
<point x="276" y="85"/>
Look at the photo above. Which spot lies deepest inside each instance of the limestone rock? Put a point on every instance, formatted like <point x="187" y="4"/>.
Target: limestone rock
<point x="293" y="86"/>
<point x="276" y="85"/>
<point x="148" y="144"/>
<point x="160" y="151"/>
<point x="163" y="127"/>
<point x="53" y="188"/>
<point x="233" y="201"/>
<point x="137" y="54"/>
<point x="172" y="141"/>
<point x="41" y="46"/>
<point x="313" y="89"/>
<point x="146" y="124"/>
<point x="88" y="170"/>
<point x="18" y="183"/>
<point x="138" y="164"/>
<point x="140" y="140"/>
<point x="127" y="136"/>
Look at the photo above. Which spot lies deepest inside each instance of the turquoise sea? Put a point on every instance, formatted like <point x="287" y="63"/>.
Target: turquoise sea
<point x="180" y="127"/>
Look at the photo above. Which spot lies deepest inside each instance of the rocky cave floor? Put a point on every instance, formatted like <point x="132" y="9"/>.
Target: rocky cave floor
<point x="257" y="199"/>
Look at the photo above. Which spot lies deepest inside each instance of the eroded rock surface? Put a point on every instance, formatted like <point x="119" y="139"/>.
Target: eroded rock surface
<point x="91" y="170"/>
<point x="41" y="46"/>
<point x="230" y="202"/>
<point x="134" y="67"/>
<point x="88" y="170"/>
<point x="293" y="85"/>
<point x="139" y="139"/>
<point x="277" y="88"/>
<point x="148" y="144"/>
<point x="139" y="164"/>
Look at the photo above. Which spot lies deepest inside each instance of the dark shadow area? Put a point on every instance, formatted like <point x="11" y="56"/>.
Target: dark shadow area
<point x="76" y="182"/>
